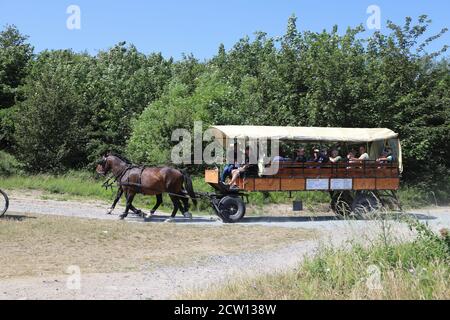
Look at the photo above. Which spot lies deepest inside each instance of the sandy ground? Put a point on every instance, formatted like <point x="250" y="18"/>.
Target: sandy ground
<point x="171" y="282"/>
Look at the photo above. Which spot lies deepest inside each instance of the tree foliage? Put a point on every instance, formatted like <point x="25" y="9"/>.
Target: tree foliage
<point x="77" y="106"/>
<point x="53" y="122"/>
<point x="15" y="54"/>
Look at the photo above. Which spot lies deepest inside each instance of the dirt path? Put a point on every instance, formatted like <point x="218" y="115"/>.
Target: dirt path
<point x="161" y="283"/>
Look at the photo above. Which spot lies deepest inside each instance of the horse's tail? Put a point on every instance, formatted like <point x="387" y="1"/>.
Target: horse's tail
<point x="189" y="188"/>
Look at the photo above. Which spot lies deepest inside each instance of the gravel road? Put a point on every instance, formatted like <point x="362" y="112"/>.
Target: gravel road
<point x="170" y="282"/>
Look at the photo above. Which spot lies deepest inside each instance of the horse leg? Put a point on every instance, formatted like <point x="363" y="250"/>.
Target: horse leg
<point x="118" y="196"/>
<point x="185" y="208"/>
<point x="156" y="206"/>
<point x="130" y="197"/>
<point x="176" y="205"/>
<point x="136" y="210"/>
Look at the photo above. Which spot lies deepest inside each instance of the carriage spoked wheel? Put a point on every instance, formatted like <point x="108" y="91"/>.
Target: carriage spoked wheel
<point x="341" y="204"/>
<point x="366" y="204"/>
<point x="231" y="208"/>
<point x="4" y="203"/>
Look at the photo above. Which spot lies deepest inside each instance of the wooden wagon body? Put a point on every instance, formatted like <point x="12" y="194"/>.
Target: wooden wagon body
<point x="292" y="176"/>
<point x="351" y="185"/>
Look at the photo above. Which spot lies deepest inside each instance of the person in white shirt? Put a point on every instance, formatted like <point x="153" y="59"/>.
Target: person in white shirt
<point x="363" y="155"/>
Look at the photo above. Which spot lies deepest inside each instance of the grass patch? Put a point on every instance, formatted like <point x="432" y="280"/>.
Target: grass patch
<point x="75" y="183"/>
<point x="46" y="245"/>
<point x="411" y="197"/>
<point x="415" y="270"/>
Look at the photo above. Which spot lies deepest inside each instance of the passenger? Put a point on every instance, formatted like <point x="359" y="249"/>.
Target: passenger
<point x="226" y="173"/>
<point x="386" y="156"/>
<point x="335" y="157"/>
<point x="279" y="159"/>
<point x="300" y="155"/>
<point x="350" y="156"/>
<point x="316" y="153"/>
<point x="319" y="156"/>
<point x="323" y="158"/>
<point x="363" y="155"/>
<point x="246" y="167"/>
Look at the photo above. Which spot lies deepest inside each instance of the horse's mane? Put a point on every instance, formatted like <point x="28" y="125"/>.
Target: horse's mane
<point x="127" y="161"/>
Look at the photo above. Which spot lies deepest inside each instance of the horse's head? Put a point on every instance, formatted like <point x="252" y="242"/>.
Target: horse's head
<point x="111" y="162"/>
<point x="103" y="166"/>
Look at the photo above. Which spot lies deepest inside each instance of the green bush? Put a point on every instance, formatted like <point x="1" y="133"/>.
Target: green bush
<point x="9" y="165"/>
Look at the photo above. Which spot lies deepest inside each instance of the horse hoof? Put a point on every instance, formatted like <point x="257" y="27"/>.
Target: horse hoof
<point x="122" y="216"/>
<point x="187" y="215"/>
<point x="148" y="215"/>
<point x="168" y="220"/>
<point x="110" y="210"/>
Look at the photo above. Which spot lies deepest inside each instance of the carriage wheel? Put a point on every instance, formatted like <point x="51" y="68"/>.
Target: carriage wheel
<point x="4" y="202"/>
<point x="232" y="209"/>
<point x="341" y="203"/>
<point x="365" y="204"/>
<point x="390" y="200"/>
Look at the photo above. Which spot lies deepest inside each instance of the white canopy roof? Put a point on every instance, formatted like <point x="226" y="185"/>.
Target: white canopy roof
<point x="304" y="133"/>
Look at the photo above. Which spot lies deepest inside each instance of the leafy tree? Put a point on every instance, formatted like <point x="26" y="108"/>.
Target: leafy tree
<point x="53" y="121"/>
<point x="15" y="54"/>
<point x="177" y="109"/>
<point x="122" y="83"/>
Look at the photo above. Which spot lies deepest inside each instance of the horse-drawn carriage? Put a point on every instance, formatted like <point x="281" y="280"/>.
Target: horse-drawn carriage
<point x="355" y="187"/>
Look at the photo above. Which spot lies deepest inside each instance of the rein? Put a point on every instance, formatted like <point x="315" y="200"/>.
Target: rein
<point x="108" y="184"/>
<point x="112" y="180"/>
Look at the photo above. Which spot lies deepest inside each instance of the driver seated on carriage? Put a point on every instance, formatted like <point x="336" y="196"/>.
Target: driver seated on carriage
<point x="245" y="168"/>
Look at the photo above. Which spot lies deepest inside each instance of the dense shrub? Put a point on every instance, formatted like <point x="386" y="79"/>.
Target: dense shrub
<point x="9" y="165"/>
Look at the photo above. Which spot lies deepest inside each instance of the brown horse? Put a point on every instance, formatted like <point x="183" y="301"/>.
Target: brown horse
<point x="149" y="181"/>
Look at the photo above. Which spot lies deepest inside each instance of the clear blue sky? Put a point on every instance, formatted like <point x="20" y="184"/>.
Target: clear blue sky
<point x="197" y="26"/>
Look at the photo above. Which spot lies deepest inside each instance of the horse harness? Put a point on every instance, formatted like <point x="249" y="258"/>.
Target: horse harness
<point x="112" y="180"/>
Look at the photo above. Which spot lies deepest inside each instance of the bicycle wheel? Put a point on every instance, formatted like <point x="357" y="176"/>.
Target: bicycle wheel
<point x="4" y="202"/>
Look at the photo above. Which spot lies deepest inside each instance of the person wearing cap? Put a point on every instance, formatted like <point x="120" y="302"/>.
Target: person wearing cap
<point x="320" y="156"/>
<point x="315" y="157"/>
